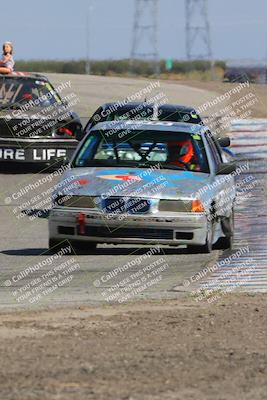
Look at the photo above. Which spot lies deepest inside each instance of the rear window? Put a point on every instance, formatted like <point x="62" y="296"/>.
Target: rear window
<point x="16" y="91"/>
<point x="144" y="112"/>
<point x="179" y="116"/>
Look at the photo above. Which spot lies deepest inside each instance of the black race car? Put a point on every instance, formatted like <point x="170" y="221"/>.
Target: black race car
<point x="143" y="111"/>
<point x="36" y="124"/>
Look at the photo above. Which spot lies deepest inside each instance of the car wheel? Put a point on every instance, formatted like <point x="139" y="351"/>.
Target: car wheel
<point x="226" y="242"/>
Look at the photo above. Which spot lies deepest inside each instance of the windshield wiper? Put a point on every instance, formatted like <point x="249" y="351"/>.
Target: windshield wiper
<point x="128" y="164"/>
<point x="106" y="163"/>
<point x="159" y="166"/>
<point x="170" y="166"/>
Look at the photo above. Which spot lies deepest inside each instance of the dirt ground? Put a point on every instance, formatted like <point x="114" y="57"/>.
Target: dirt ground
<point x="163" y="350"/>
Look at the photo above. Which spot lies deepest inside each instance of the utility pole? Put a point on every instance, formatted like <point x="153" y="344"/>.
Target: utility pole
<point x="198" y="39"/>
<point x="88" y="39"/>
<point x="145" y="32"/>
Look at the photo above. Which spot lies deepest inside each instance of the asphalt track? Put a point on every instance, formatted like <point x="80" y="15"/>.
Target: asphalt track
<point x="92" y="91"/>
<point x="90" y="279"/>
<point x="24" y="235"/>
<point x="24" y="231"/>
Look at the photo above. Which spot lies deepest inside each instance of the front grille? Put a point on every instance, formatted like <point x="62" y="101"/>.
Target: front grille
<point x="114" y="205"/>
<point x="184" y="235"/>
<point x="66" y="230"/>
<point x="122" y="205"/>
<point x="137" y="206"/>
<point x="138" y="233"/>
<point x="134" y="233"/>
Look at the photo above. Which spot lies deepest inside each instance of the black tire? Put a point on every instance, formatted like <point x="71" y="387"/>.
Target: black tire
<point x="205" y="249"/>
<point x="226" y="242"/>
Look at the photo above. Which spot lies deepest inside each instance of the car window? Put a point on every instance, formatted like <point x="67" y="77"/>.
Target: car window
<point x="215" y="154"/>
<point x="137" y="112"/>
<point x="181" y="150"/>
<point x="142" y="112"/>
<point x="217" y="146"/>
<point x="21" y="91"/>
<point x="178" y="116"/>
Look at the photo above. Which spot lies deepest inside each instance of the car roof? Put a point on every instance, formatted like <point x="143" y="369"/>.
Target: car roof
<point x="26" y="75"/>
<point x="164" y="107"/>
<point x="151" y="125"/>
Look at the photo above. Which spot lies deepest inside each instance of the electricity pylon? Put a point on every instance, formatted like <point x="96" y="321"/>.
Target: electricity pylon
<point x="198" y="40"/>
<point x="145" y="32"/>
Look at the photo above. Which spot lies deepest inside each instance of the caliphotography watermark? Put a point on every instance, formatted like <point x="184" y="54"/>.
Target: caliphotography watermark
<point x="127" y="281"/>
<point x="36" y="282"/>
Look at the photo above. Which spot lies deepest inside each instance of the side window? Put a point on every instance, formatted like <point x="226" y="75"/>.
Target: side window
<point x="216" y="155"/>
<point x="217" y="147"/>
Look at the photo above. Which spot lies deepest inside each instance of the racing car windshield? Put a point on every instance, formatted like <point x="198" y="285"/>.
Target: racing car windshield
<point x="20" y="91"/>
<point x="134" y="148"/>
<point x="135" y="113"/>
<point x="145" y="112"/>
<point x="179" y="116"/>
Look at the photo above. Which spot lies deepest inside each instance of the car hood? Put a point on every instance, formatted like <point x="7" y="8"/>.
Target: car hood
<point x="32" y="113"/>
<point x="134" y="182"/>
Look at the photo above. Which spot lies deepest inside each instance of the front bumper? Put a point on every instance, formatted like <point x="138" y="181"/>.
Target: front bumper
<point x="37" y="150"/>
<point x="178" y="229"/>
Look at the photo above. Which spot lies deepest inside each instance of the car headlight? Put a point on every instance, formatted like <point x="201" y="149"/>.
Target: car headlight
<point x="197" y="206"/>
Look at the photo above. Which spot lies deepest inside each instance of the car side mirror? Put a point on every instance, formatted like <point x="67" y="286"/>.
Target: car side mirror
<point x="226" y="169"/>
<point x="224" y="141"/>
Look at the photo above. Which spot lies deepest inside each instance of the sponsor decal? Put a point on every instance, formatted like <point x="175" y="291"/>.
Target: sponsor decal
<point x="12" y="154"/>
<point x="81" y="182"/>
<point x="172" y="180"/>
<point x="125" y="177"/>
<point x="31" y="154"/>
<point x="187" y="175"/>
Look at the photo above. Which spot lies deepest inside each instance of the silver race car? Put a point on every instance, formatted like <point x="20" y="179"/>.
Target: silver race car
<point x="145" y="183"/>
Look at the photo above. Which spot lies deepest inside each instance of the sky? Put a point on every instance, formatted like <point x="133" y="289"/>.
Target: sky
<point x="56" y="29"/>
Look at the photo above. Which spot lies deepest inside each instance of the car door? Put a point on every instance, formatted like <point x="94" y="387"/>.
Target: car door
<point x="224" y="185"/>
